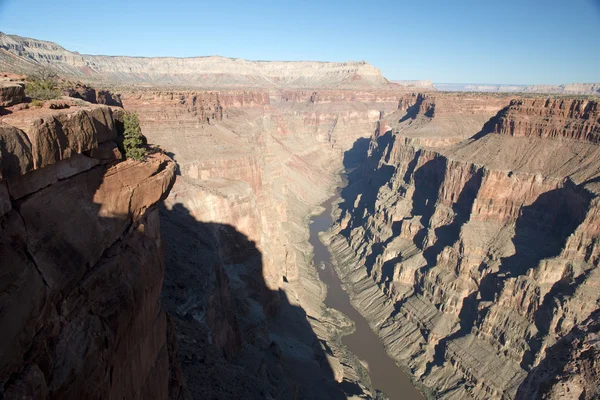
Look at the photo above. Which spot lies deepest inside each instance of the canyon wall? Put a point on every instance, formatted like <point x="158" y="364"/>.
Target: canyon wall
<point x="82" y="260"/>
<point x="235" y="224"/>
<point x="467" y="238"/>
<point x="475" y="261"/>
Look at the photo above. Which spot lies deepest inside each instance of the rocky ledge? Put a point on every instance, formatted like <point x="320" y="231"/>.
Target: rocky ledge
<point x="82" y="260"/>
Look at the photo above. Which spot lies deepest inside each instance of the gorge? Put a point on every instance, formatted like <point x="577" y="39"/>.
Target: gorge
<point x="465" y="239"/>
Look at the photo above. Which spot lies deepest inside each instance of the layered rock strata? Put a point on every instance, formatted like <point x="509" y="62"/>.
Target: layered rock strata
<point x="253" y="166"/>
<point x="82" y="261"/>
<point x="473" y="260"/>
<point x="26" y="54"/>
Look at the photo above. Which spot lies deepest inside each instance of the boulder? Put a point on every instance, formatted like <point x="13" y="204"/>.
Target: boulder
<point x="11" y="93"/>
<point x="15" y="152"/>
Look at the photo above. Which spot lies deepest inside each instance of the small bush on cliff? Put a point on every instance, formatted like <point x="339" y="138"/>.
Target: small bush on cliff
<point x="133" y="141"/>
<point x="42" y="86"/>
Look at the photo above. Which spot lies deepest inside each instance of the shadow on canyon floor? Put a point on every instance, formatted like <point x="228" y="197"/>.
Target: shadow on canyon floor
<point x="237" y="338"/>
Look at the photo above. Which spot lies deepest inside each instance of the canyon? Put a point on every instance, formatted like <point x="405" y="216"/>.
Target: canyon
<point x="466" y="235"/>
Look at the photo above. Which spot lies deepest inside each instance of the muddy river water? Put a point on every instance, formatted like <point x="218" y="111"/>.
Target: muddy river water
<point x="385" y="375"/>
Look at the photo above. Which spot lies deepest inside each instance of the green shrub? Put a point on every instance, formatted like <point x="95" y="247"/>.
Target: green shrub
<point x="133" y="142"/>
<point x="36" y="103"/>
<point x="42" y="86"/>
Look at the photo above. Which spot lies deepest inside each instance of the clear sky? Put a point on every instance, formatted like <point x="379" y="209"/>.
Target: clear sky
<point x="483" y="41"/>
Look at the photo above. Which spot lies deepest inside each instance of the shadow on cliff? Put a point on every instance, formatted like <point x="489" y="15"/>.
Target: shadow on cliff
<point x="367" y="172"/>
<point x="543" y="378"/>
<point x="541" y="232"/>
<point x="91" y="285"/>
<point x="238" y="339"/>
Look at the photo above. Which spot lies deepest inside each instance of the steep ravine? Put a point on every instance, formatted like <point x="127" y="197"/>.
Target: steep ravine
<point x="472" y="261"/>
<point x="253" y="166"/>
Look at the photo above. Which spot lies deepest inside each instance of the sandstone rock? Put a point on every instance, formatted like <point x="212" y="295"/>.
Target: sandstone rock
<point x="56" y="105"/>
<point x="112" y="198"/>
<point x="23" y="295"/>
<point x="95" y="328"/>
<point x="11" y="93"/>
<point x="83" y="92"/>
<point x="33" y="181"/>
<point x="58" y="134"/>
<point x="15" y="152"/>
<point x="107" y="151"/>
<point x="106" y="97"/>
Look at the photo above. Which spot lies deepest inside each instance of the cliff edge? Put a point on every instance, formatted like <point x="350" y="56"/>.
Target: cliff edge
<point x="82" y="259"/>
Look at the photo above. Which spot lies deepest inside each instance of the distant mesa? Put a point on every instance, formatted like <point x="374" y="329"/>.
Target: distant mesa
<point x="24" y="55"/>
<point x="590" y="89"/>
<point x="417" y="84"/>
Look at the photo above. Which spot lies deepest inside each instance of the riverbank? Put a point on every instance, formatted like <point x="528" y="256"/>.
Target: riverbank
<point x="383" y="373"/>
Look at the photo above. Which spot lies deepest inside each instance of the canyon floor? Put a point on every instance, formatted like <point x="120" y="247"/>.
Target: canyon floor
<point x="466" y="236"/>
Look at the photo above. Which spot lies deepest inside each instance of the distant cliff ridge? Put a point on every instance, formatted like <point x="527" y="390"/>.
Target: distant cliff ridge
<point x="591" y="89"/>
<point x="28" y="54"/>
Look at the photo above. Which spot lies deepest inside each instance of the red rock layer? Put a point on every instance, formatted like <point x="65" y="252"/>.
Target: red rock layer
<point x="551" y="118"/>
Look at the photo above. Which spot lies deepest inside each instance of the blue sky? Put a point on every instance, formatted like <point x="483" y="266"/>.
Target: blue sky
<point x="484" y="41"/>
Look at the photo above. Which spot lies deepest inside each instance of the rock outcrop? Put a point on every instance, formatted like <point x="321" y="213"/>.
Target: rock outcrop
<point x="89" y="94"/>
<point x="82" y="261"/>
<point x="570" y="368"/>
<point x="11" y="92"/>
<point x="473" y="260"/>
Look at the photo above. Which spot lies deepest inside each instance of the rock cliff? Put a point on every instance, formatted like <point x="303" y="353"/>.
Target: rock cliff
<point x="25" y="54"/>
<point x="82" y="260"/>
<point x="475" y="261"/>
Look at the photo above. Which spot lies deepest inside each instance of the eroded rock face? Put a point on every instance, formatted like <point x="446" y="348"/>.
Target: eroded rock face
<point x="555" y="118"/>
<point x="82" y="262"/>
<point x="478" y="259"/>
<point x="253" y="165"/>
<point x="570" y="368"/>
<point x="91" y="95"/>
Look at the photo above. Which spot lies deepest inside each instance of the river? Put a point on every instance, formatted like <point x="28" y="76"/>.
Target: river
<point x="385" y="375"/>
